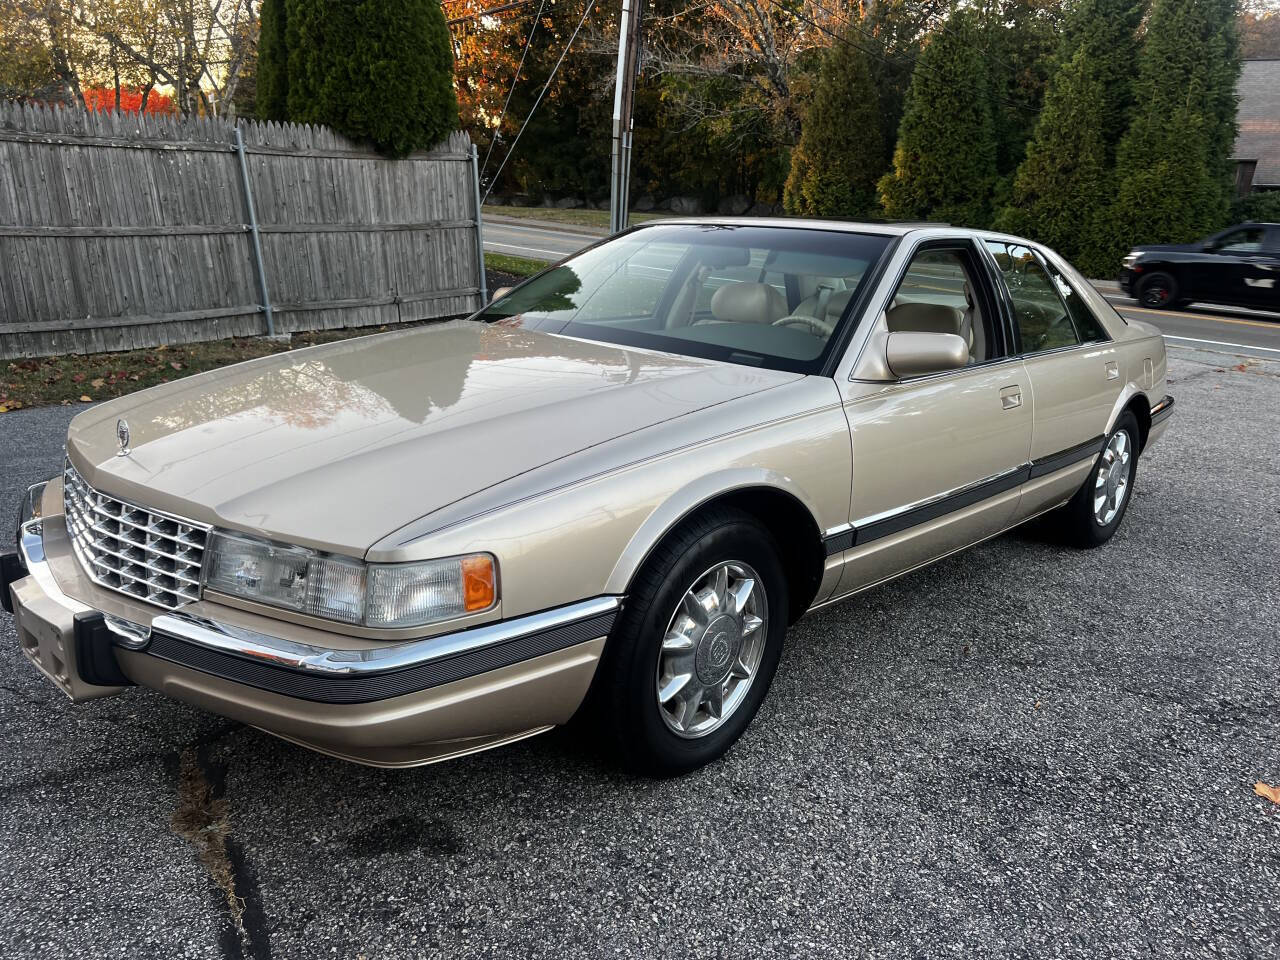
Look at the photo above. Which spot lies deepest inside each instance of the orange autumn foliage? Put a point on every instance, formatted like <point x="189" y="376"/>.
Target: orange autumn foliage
<point x="104" y="98"/>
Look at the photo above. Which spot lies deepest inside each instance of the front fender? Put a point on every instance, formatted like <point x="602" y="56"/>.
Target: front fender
<point x="686" y="500"/>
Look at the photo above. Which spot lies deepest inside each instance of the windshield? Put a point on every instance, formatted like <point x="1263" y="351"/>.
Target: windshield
<point x="765" y="296"/>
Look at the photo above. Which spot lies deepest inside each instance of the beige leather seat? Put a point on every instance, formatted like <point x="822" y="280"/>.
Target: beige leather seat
<point x="748" y="303"/>
<point x="924" y="318"/>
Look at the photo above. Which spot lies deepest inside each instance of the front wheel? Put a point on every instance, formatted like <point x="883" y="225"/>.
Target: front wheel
<point x="1093" y="515"/>
<point x="1158" y="291"/>
<point x="697" y="645"/>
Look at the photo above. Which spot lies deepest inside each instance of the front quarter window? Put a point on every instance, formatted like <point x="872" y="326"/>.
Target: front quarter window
<point x="758" y="295"/>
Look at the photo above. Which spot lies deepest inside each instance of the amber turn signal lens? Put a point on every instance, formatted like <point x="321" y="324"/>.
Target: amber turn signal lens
<point x="478" y="582"/>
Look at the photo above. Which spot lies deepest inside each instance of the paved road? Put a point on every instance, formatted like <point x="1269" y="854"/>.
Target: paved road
<point x="1022" y="751"/>
<point x="540" y="243"/>
<point x="1205" y="327"/>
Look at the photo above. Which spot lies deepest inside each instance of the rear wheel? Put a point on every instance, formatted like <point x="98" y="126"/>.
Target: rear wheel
<point x="1093" y="515"/>
<point x="697" y="645"/>
<point x="1159" y="291"/>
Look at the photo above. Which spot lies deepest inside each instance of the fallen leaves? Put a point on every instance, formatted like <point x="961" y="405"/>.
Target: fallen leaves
<point x="1268" y="792"/>
<point x="85" y="398"/>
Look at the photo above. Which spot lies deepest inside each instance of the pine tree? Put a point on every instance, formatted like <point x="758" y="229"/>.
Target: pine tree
<point x="1061" y="188"/>
<point x="841" y="153"/>
<point x="376" y="70"/>
<point x="272" y="101"/>
<point x="944" y="164"/>
<point x="1172" y="165"/>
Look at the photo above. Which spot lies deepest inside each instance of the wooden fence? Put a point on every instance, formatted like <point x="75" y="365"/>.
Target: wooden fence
<point x="121" y="231"/>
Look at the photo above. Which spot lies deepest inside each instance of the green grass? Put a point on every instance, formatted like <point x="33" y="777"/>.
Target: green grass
<point x="85" y="378"/>
<point x="518" y="266"/>
<point x="581" y="218"/>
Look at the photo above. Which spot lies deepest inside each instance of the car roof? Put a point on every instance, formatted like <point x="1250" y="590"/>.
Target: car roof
<point x="880" y="228"/>
<point x="845" y="226"/>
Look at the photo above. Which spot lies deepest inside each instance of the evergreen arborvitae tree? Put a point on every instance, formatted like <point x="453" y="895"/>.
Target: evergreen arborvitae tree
<point x="841" y="153"/>
<point x="272" y="77"/>
<point x="944" y="164"/>
<point x="376" y="70"/>
<point x="1061" y="188"/>
<point x="1107" y="32"/>
<point x="1173" y="175"/>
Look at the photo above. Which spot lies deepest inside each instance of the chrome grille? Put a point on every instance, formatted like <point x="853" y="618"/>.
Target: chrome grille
<point x="139" y="552"/>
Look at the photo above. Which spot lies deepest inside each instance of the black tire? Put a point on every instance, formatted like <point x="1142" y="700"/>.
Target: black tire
<point x="625" y="692"/>
<point x="1159" y="291"/>
<point x="1076" y="522"/>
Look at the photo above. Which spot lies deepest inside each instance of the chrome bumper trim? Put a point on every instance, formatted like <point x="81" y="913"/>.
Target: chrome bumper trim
<point x="331" y="675"/>
<point x="308" y="658"/>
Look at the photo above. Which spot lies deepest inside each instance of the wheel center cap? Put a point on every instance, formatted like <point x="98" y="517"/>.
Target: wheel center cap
<point x="717" y="649"/>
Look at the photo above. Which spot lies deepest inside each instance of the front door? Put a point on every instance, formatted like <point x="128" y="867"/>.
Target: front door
<point x="937" y="459"/>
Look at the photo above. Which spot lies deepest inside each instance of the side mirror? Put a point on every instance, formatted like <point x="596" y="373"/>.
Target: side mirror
<point x="913" y="354"/>
<point x="500" y="293"/>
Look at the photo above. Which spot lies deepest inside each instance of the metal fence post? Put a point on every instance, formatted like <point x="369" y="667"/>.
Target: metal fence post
<point x="475" y="175"/>
<point x="253" y="230"/>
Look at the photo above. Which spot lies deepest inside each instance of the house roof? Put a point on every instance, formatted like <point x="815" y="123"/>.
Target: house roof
<point x="1258" y="119"/>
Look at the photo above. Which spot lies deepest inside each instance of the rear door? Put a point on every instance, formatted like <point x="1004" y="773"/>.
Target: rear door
<point x="1073" y="372"/>
<point x="1232" y="268"/>
<point x="1262" y="281"/>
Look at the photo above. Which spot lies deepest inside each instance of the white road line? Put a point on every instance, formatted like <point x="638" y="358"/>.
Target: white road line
<point x="1242" y="347"/>
<point x="555" y="234"/>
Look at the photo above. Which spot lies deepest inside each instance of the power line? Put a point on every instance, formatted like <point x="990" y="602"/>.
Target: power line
<point x="487" y="13"/>
<point x="512" y="89"/>
<point x="585" y="10"/>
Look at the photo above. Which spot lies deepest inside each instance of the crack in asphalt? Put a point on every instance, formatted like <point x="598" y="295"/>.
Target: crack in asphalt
<point x="202" y="817"/>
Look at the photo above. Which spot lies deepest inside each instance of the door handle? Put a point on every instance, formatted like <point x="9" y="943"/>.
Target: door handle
<point x="1113" y="370"/>
<point x="1010" y="397"/>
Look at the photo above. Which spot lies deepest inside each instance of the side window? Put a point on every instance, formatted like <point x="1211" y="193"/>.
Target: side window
<point x="1088" y="328"/>
<point x="1042" y="317"/>
<point x="1246" y="240"/>
<point x="939" y="294"/>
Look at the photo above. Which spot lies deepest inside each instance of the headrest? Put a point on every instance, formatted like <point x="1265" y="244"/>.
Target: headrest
<point x="923" y="318"/>
<point x="748" y="303"/>
<point x="836" y="304"/>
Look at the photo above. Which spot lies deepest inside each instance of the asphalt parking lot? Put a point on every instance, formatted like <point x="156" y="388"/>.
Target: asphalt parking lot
<point x="1021" y="751"/>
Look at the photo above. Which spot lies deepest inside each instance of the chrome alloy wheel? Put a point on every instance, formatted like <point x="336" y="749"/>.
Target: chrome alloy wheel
<point x="712" y="648"/>
<point x="1112" y="485"/>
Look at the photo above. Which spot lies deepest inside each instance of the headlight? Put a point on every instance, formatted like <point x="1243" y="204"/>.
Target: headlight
<point x="349" y="591"/>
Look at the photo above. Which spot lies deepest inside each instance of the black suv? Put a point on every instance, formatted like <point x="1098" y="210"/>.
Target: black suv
<point x="1239" y="266"/>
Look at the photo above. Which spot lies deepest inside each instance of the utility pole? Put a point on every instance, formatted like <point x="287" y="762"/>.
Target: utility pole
<point x="624" y="95"/>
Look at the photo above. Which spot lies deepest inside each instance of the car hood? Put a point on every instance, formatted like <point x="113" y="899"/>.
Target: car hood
<point x="335" y="446"/>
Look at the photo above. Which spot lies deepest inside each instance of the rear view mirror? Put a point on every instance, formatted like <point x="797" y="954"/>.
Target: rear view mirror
<point x="500" y="293"/>
<point x="914" y="354"/>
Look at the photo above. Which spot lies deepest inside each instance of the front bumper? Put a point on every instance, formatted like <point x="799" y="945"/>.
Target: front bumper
<point x="385" y="704"/>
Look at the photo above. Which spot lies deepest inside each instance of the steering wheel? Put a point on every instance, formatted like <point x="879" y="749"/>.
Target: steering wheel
<point x="811" y="325"/>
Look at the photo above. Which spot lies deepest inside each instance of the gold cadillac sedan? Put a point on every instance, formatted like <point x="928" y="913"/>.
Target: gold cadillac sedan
<point x="611" y="490"/>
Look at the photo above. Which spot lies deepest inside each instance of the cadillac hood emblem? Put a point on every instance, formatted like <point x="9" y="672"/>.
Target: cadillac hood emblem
<point x="122" y="435"/>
